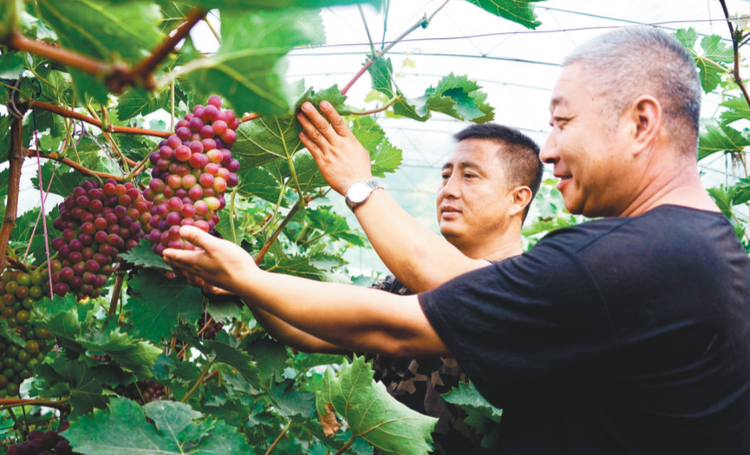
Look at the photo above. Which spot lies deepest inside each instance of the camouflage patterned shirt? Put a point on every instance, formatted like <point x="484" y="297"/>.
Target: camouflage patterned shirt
<point x="419" y="384"/>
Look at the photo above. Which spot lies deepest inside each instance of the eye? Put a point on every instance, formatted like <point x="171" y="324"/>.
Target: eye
<point x="446" y="176"/>
<point x="469" y="176"/>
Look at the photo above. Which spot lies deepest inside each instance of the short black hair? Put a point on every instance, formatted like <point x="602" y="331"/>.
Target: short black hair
<point x="519" y="154"/>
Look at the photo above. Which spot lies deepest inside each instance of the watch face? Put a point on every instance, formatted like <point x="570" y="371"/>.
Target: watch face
<point x="359" y="192"/>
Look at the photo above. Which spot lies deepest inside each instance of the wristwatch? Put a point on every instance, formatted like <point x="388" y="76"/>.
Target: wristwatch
<point x="359" y="192"/>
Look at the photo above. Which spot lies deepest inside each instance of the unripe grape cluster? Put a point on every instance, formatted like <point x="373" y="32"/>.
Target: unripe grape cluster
<point x="192" y="170"/>
<point x="97" y="224"/>
<point x="42" y="443"/>
<point x="19" y="291"/>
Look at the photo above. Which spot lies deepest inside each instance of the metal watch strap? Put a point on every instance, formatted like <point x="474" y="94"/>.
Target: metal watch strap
<point x="372" y="184"/>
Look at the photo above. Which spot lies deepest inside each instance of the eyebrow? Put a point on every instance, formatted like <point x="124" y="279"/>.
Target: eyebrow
<point x="464" y="164"/>
<point x="558" y="101"/>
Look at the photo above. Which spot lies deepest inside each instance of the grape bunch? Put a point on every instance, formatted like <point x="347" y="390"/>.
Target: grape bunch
<point x="192" y="170"/>
<point x="19" y="292"/>
<point x="213" y="327"/>
<point x="142" y="392"/>
<point x="42" y="443"/>
<point x="97" y="224"/>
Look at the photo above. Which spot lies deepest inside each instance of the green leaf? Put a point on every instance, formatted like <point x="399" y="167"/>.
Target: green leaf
<point x="177" y="429"/>
<point x="372" y="413"/>
<point x="290" y="265"/>
<point x="12" y="65"/>
<point x="741" y="192"/>
<point x="468" y="395"/>
<point x="158" y="304"/>
<point x="289" y="401"/>
<point x="709" y="61"/>
<point x="333" y="225"/>
<point x="104" y="32"/>
<point x="136" y="356"/>
<point x="271" y="138"/>
<point x="10" y="334"/>
<point x="85" y="383"/>
<point x="143" y="256"/>
<point x="65" y="179"/>
<point x="721" y="139"/>
<point x="61" y="317"/>
<point x="384" y="157"/>
<point x="722" y="196"/>
<point x="270" y="356"/>
<point x="520" y="11"/>
<point x="257" y="182"/>
<point x="224" y="308"/>
<point x="139" y="102"/>
<point x="259" y="4"/>
<point x="249" y="67"/>
<point x="737" y="109"/>
<point x="238" y="360"/>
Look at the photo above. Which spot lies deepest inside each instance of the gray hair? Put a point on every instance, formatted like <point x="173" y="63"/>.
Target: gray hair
<point x="634" y="61"/>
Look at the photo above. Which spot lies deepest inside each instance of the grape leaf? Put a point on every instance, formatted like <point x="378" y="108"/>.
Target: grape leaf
<point x="333" y="225"/>
<point x="224" y="308"/>
<point x="12" y="65"/>
<point x="139" y="102"/>
<point x="270" y="356"/>
<point x="455" y="96"/>
<point x="143" y="256"/>
<point x="238" y="360"/>
<point x="372" y="413"/>
<point x="158" y="304"/>
<point x="290" y="265"/>
<point x="257" y="182"/>
<point x="131" y="354"/>
<point x="520" y="11"/>
<point x="249" y="67"/>
<point x="720" y="139"/>
<point x="177" y="429"/>
<point x="271" y="138"/>
<point x="103" y="32"/>
<point x="741" y="192"/>
<point x="9" y="334"/>
<point x="737" y="109"/>
<point x="302" y="362"/>
<point x="384" y="157"/>
<point x="246" y="5"/>
<point x="84" y="383"/>
<point x="482" y="417"/>
<point x="65" y="179"/>
<point x="289" y="401"/>
<point x="715" y="52"/>
<point x="61" y="317"/>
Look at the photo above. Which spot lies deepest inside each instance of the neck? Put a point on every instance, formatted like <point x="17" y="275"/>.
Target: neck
<point x="502" y="246"/>
<point x="678" y="185"/>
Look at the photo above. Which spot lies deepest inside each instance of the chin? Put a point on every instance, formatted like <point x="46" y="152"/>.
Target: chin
<point x="448" y="231"/>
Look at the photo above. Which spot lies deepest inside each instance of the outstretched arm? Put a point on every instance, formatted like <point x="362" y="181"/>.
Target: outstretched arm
<point x="418" y="257"/>
<point x="355" y="319"/>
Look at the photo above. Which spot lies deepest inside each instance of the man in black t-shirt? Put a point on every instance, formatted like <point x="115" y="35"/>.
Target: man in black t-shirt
<point x="625" y="335"/>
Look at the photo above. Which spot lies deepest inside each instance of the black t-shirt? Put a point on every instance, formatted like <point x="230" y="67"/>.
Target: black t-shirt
<point x="617" y="336"/>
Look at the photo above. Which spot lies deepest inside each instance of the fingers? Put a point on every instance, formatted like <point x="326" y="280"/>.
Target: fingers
<point x="197" y="237"/>
<point x="209" y="289"/>
<point x="338" y="123"/>
<point x="182" y="259"/>
<point x="319" y="122"/>
<point x="311" y="147"/>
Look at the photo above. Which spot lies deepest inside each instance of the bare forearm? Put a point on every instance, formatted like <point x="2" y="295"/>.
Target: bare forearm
<point x="418" y="257"/>
<point x="355" y="319"/>
<point x="294" y="337"/>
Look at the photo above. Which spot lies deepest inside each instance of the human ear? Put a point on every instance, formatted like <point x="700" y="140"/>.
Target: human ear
<point x="647" y="117"/>
<point x="521" y="198"/>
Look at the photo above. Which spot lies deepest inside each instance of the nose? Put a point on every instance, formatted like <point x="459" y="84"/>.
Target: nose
<point x="451" y="187"/>
<point x="549" y="152"/>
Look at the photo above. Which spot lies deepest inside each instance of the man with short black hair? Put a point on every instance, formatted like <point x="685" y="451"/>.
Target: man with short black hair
<point x="625" y="335"/>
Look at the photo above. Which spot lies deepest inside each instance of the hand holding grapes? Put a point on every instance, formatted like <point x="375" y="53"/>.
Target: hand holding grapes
<point x="219" y="263"/>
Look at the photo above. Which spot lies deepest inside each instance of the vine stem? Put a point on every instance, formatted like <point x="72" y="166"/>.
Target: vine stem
<point x="198" y="382"/>
<point x="143" y="72"/>
<point x="74" y="165"/>
<point x="20" y="43"/>
<point x="16" y="156"/>
<point x="92" y="121"/>
<point x="276" y="233"/>
<point x="117" y="290"/>
<point x="382" y="108"/>
<point x="367" y="29"/>
<point x="278" y="439"/>
<point x="736" y="37"/>
<point x="424" y="22"/>
<point x="347" y="445"/>
<point x="248" y="117"/>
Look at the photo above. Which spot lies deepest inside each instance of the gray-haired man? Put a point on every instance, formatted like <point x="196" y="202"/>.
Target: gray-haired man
<point x="625" y="335"/>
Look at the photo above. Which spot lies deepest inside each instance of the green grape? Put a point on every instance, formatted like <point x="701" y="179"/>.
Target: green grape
<point x="8" y="362"/>
<point x="35" y="292"/>
<point x="3" y="393"/>
<point x="12" y="322"/>
<point x="2" y="348"/>
<point x="32" y="347"/>
<point x="3" y="382"/>
<point x="18" y="367"/>
<point x="32" y="363"/>
<point x="12" y="389"/>
<point x="38" y="277"/>
<point x="30" y="333"/>
<point x="40" y="357"/>
<point x="25" y="374"/>
<point x="8" y="372"/>
<point x="42" y="344"/>
<point x="12" y="350"/>
<point x="24" y="356"/>
<point x="22" y="317"/>
<point x="28" y="303"/>
<point x="23" y="279"/>
<point x="7" y="276"/>
<point x="44" y="334"/>
<point x="11" y="287"/>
